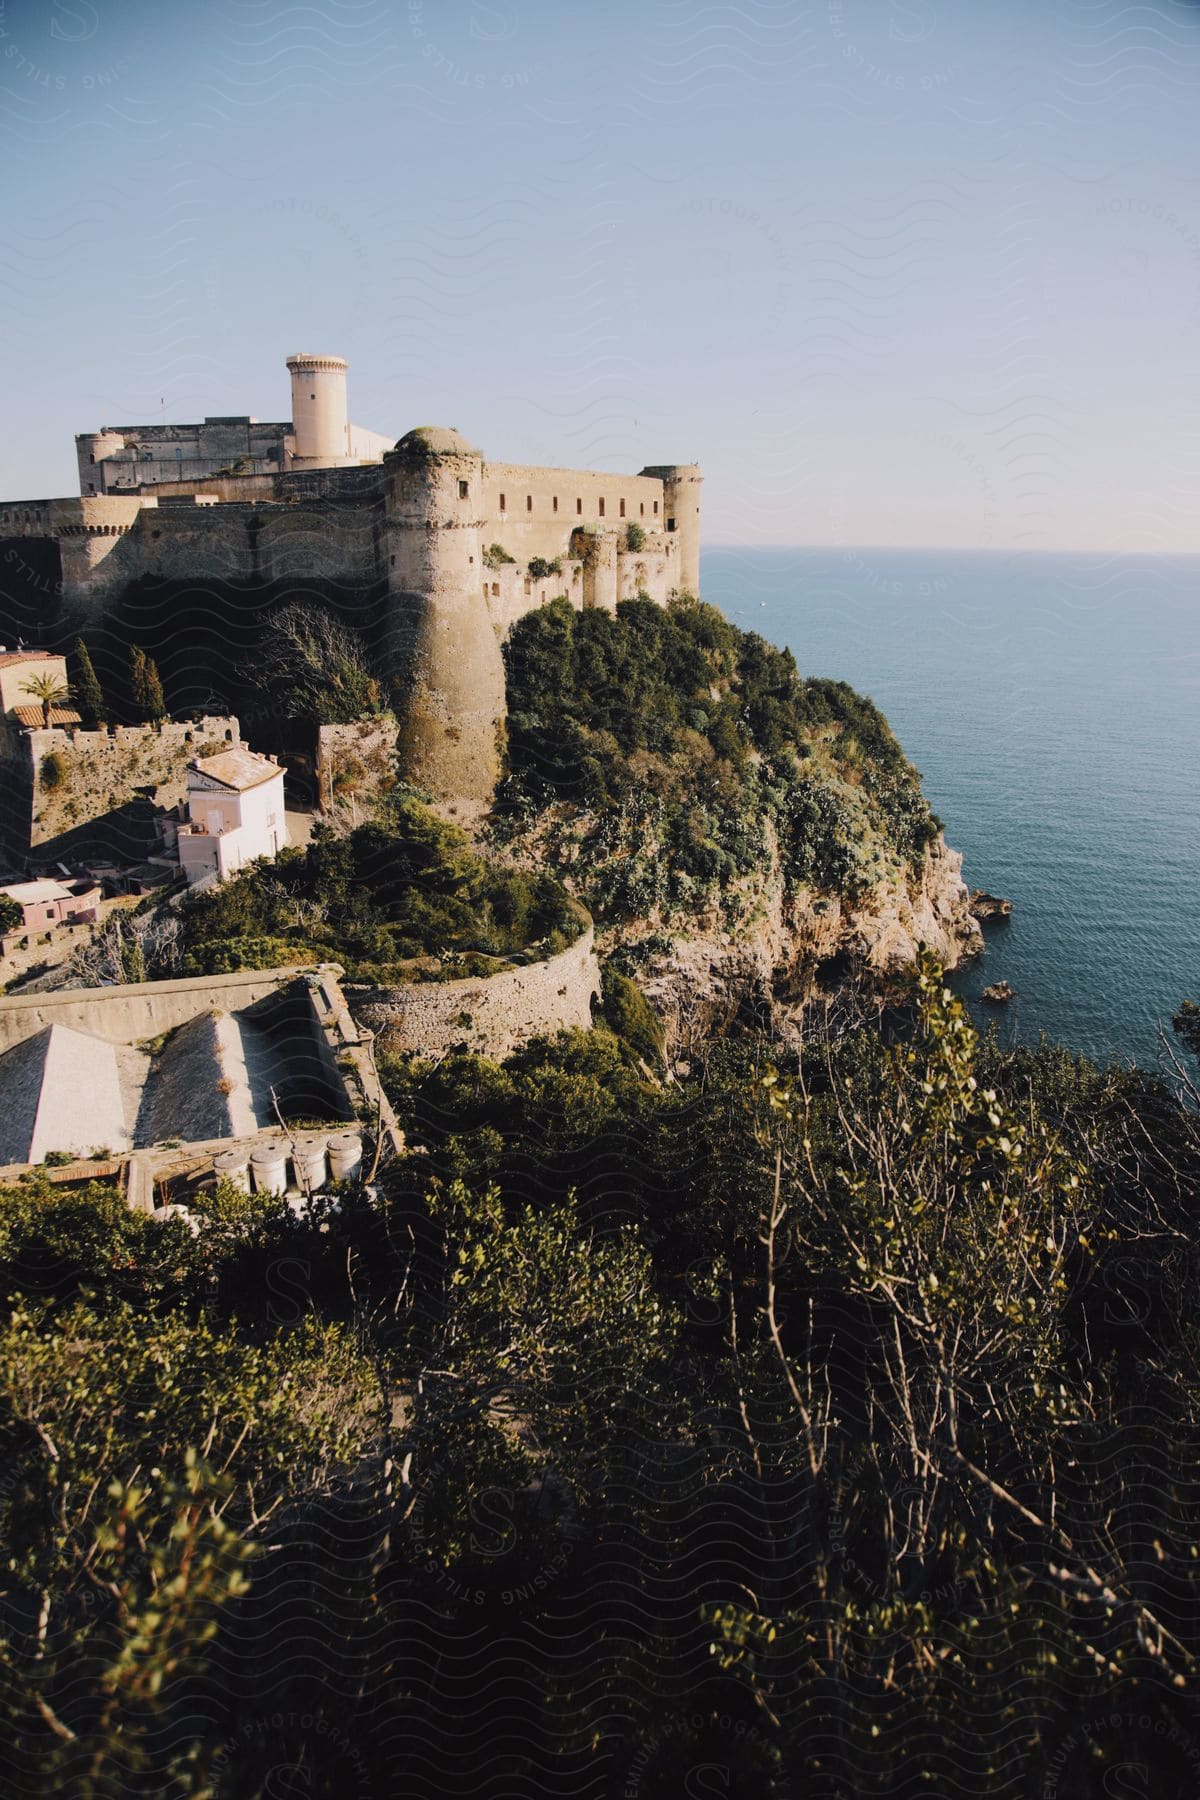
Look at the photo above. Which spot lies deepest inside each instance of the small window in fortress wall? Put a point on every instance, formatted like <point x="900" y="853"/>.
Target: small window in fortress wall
<point x="656" y="509"/>
<point x="529" y="503"/>
<point x="602" y="509"/>
<point x="462" y="490"/>
<point x="496" y="588"/>
<point x="622" y="509"/>
<point x="554" y="502"/>
<point x="642" y="508"/>
<point x="579" y="506"/>
<point x="528" y="587"/>
<point x="503" y="504"/>
<point x="670" y="524"/>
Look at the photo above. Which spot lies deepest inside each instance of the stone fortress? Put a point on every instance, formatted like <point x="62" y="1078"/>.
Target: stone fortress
<point x="460" y="547"/>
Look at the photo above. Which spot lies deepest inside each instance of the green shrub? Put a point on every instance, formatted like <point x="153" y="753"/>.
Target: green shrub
<point x="635" y="536"/>
<point x="539" y="568"/>
<point x="694" y="748"/>
<point x="495" y="556"/>
<point x="53" y="771"/>
<point x="630" y="1016"/>
<point x="410" y="887"/>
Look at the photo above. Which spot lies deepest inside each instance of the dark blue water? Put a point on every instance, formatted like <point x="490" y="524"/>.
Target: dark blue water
<point x="1052" y="704"/>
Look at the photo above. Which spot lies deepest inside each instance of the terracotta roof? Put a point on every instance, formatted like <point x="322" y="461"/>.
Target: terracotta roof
<point x="238" y="769"/>
<point x="32" y="716"/>
<point x="9" y="657"/>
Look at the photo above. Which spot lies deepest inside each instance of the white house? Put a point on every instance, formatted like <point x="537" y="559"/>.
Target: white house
<point x="235" y="813"/>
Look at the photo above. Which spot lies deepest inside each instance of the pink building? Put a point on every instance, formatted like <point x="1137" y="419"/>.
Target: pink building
<point x="48" y="903"/>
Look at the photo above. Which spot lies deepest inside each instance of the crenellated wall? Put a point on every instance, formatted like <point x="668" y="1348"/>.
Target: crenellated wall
<point x="99" y="771"/>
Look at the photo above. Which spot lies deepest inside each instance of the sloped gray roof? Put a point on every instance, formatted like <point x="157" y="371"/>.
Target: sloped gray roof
<point x="61" y="1090"/>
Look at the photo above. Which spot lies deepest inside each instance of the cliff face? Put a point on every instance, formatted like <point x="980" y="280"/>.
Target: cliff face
<point x="770" y="946"/>
<point x="794" y="945"/>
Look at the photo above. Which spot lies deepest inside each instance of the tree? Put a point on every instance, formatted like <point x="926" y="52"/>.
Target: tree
<point x="146" y="685"/>
<point x="89" y="694"/>
<point x="49" y="691"/>
<point x="12" y="914"/>
<point x="318" y="667"/>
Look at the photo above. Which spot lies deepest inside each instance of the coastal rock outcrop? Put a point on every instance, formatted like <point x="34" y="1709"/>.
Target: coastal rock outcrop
<point x="798" y="945"/>
<point x="989" y="906"/>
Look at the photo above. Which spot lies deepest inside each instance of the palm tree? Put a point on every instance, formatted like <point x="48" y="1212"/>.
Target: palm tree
<point x="50" y="691"/>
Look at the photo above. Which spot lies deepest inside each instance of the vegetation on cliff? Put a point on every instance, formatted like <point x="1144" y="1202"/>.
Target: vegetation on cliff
<point x="404" y="898"/>
<point x="829" y="1422"/>
<point x="664" y="757"/>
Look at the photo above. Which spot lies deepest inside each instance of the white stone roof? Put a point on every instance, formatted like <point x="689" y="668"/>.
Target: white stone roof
<point x="36" y="893"/>
<point x="238" y="769"/>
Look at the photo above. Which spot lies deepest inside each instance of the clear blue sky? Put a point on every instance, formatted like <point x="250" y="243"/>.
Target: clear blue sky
<point x="894" y="271"/>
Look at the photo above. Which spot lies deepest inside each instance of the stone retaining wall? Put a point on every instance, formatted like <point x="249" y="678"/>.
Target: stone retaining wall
<point x="135" y="1011"/>
<point x="492" y="1017"/>
<point x="356" y="767"/>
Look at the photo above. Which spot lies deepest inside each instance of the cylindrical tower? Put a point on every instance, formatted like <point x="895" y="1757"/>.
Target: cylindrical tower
<point x="444" y="642"/>
<point x="91" y="448"/>
<point x="320" y="420"/>
<point x="681" y="501"/>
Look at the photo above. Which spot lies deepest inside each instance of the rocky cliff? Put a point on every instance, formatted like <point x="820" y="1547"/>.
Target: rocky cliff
<point x="800" y="946"/>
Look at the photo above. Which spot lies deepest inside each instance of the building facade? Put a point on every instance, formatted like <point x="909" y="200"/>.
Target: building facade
<point x="235" y="814"/>
<point x="123" y="459"/>
<point x="48" y="903"/>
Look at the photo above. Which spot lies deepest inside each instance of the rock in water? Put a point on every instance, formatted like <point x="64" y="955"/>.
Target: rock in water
<point x="999" y="993"/>
<point x="989" y="906"/>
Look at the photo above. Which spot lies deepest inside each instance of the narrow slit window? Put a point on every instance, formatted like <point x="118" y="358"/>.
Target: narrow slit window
<point x="601" y="509"/>
<point x="529" y="503"/>
<point x="656" y="509"/>
<point x="554" y="503"/>
<point x="641" y="509"/>
<point x="503" y="504"/>
<point x="579" y="506"/>
<point x="462" y="490"/>
<point x="622" y="509"/>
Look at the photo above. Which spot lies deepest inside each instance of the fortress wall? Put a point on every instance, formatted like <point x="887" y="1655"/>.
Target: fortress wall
<point x="493" y="1017"/>
<point x="235" y="542"/>
<point x="356" y="766"/>
<point x="102" y="769"/>
<point x="541" y="531"/>
<point x="135" y="1011"/>
<point x="348" y="483"/>
<point x="337" y="542"/>
<point x="223" y="487"/>
<point x="653" y="570"/>
<point x="510" y="592"/>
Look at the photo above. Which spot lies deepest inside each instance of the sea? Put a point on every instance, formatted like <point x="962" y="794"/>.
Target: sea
<point x="1052" y="705"/>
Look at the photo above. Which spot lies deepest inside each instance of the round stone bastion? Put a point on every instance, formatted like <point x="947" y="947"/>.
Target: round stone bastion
<point x="491" y="1016"/>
